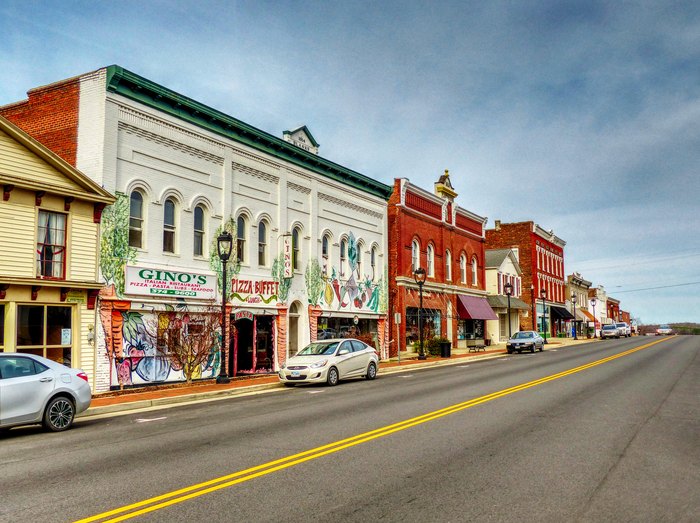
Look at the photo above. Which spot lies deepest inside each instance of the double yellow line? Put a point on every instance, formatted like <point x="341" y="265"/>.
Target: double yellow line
<point x="200" y="489"/>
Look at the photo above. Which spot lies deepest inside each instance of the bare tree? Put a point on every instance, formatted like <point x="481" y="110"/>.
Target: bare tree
<point x="190" y="340"/>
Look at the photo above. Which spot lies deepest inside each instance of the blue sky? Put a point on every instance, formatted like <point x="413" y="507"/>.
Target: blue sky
<point x="581" y="116"/>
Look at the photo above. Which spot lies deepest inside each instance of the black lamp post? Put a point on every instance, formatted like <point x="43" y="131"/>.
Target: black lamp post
<point x="509" y="290"/>
<point x="543" y="294"/>
<point x="532" y="303"/>
<point x="595" y="330"/>
<point x="223" y="247"/>
<point x="419" y="275"/>
<point x="573" y="300"/>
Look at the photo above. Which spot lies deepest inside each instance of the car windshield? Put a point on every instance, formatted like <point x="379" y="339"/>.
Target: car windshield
<point x="316" y="349"/>
<point x="522" y="335"/>
<point x="665" y="327"/>
<point x="608" y="327"/>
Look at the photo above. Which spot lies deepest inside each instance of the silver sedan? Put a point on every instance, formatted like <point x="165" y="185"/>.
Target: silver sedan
<point x="525" y="340"/>
<point x="38" y="390"/>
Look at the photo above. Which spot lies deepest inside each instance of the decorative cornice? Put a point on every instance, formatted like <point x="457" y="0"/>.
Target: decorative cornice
<point x="348" y="205"/>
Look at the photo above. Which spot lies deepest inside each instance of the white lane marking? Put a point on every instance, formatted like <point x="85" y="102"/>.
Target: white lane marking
<point x="406" y="376"/>
<point x="315" y="391"/>
<point x="462" y="366"/>
<point x="146" y="420"/>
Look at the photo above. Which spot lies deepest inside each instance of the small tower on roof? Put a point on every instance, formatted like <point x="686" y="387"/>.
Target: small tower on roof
<point x="443" y="187"/>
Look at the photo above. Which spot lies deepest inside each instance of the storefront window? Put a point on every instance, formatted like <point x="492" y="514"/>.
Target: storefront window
<point x="45" y="330"/>
<point x="431" y="320"/>
<point x="470" y="329"/>
<point x="365" y="329"/>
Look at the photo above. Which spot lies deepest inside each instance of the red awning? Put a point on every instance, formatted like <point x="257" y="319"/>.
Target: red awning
<point x="474" y="308"/>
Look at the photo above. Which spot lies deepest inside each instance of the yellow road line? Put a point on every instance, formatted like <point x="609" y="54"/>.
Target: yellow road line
<point x="206" y="487"/>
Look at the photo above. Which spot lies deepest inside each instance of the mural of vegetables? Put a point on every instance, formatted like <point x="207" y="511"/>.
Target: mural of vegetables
<point x="115" y="252"/>
<point x="278" y="275"/>
<point x="233" y="267"/>
<point x="313" y="278"/>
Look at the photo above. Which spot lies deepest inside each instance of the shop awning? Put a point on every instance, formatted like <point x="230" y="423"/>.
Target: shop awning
<point x="474" y="308"/>
<point x="561" y="313"/>
<point x="586" y="314"/>
<point x="499" y="301"/>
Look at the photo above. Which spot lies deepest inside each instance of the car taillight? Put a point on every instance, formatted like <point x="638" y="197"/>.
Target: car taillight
<point x="82" y="376"/>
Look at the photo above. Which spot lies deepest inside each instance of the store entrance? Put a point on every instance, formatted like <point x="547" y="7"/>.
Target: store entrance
<point x="244" y="345"/>
<point x="254" y="345"/>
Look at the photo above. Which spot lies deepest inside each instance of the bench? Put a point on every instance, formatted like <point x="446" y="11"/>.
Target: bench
<point x="476" y="345"/>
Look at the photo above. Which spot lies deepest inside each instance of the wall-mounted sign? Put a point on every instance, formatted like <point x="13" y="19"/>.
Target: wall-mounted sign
<point x="76" y="297"/>
<point x="160" y="282"/>
<point x="254" y="291"/>
<point x="243" y="315"/>
<point x="287" y="255"/>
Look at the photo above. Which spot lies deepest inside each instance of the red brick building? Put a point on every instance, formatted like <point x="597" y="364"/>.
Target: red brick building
<point x="613" y="309"/>
<point x="541" y="259"/>
<point x="430" y="231"/>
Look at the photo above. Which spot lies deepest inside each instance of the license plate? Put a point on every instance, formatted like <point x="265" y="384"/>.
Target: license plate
<point x="295" y="374"/>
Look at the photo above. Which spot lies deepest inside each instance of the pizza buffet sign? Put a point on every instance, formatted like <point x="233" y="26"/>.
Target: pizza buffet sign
<point x="159" y="282"/>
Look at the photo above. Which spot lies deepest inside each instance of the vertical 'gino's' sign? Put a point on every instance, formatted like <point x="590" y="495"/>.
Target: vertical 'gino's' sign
<point x="287" y="253"/>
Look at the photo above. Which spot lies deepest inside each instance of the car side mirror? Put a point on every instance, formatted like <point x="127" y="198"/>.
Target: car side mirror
<point x="343" y="352"/>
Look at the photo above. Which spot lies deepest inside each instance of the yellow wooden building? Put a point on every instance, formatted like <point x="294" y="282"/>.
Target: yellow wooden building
<point x="49" y="232"/>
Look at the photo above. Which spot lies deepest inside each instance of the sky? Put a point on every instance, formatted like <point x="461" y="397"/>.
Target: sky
<point x="581" y="116"/>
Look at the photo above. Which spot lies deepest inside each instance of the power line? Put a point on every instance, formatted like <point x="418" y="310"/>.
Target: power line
<point x="661" y="287"/>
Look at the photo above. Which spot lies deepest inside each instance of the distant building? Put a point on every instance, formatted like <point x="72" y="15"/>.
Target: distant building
<point x="577" y="291"/>
<point x="503" y="275"/>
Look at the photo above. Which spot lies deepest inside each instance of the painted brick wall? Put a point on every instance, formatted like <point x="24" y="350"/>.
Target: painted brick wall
<point x="50" y="115"/>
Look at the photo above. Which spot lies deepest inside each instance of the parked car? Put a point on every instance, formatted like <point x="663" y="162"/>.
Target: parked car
<point x="624" y="329"/>
<point x="664" y="330"/>
<point x="329" y="361"/>
<point x="525" y="340"/>
<point x="609" y="331"/>
<point x="34" y="389"/>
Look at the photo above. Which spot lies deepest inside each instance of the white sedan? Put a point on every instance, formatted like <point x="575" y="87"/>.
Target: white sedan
<point x="38" y="390"/>
<point x="329" y="361"/>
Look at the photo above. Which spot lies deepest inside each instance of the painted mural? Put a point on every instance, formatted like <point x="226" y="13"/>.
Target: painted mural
<point x="115" y="252"/>
<point x="356" y="293"/>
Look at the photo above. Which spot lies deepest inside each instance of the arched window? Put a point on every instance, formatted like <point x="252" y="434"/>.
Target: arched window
<point x="199" y="240"/>
<point x="360" y="248"/>
<point x="448" y="265"/>
<point x="373" y="262"/>
<point x="136" y="220"/>
<point x="262" y="244"/>
<point x="325" y="253"/>
<point x="169" y="226"/>
<point x="343" y="256"/>
<point x="475" y="279"/>
<point x="296" y="250"/>
<point x="415" y="255"/>
<point x="463" y="268"/>
<point x="240" y="239"/>
<point x="431" y="261"/>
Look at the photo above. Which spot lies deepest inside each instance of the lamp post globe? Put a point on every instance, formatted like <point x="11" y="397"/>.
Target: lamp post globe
<point x="543" y="295"/>
<point x="508" y="287"/>
<point x="224" y="243"/>
<point x="419" y="276"/>
<point x="595" y="328"/>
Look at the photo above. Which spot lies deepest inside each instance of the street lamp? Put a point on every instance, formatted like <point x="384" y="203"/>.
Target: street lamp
<point x="595" y="331"/>
<point x="573" y="300"/>
<point x="543" y="294"/>
<point x="532" y="304"/>
<point x="223" y="247"/>
<point x="419" y="275"/>
<point x="509" y="290"/>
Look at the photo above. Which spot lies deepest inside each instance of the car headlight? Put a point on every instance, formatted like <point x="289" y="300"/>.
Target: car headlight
<point x="283" y="366"/>
<point x="318" y="364"/>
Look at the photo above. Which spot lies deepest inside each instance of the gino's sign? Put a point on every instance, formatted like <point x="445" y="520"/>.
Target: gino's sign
<point x="159" y="282"/>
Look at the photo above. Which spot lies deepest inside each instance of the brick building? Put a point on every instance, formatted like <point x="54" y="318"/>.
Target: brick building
<point x="541" y="259"/>
<point x="429" y="231"/>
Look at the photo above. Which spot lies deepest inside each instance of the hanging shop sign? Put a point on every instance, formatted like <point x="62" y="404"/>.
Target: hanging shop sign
<point x="160" y="282"/>
<point x="287" y="255"/>
<point x="254" y="291"/>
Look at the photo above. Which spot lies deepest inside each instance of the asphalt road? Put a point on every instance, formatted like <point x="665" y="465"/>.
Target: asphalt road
<point x="594" y="432"/>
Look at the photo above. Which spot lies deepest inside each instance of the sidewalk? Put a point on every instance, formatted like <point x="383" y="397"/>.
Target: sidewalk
<point x="172" y="394"/>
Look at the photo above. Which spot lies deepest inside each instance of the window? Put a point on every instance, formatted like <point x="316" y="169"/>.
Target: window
<point x="343" y="256"/>
<point x="463" y="268"/>
<point x="475" y="279"/>
<point x="431" y="261"/>
<point x="448" y="265"/>
<point x="19" y="367"/>
<point x="45" y="330"/>
<point x="262" y="244"/>
<point x="325" y="253"/>
<point x="169" y="226"/>
<point x="360" y="248"/>
<point x="296" y="261"/>
<point x="373" y="262"/>
<point x="51" y="245"/>
<point x="240" y="239"/>
<point x="199" y="231"/>
<point x="136" y="220"/>
<point x="415" y="256"/>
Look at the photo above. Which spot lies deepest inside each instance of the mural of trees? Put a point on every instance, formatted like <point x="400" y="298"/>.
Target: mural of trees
<point x="115" y="252"/>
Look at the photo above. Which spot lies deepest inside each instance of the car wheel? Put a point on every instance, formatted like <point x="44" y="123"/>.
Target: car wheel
<point x="541" y="347"/>
<point x="59" y="414"/>
<point x="534" y="348"/>
<point x="371" y="371"/>
<point x="332" y="378"/>
<point x="510" y="352"/>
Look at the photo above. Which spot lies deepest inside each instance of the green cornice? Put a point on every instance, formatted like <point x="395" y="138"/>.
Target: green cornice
<point x="135" y="87"/>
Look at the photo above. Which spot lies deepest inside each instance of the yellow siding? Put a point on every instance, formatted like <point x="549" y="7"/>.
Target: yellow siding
<point x="83" y="248"/>
<point x="17" y="236"/>
<point x="18" y="161"/>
